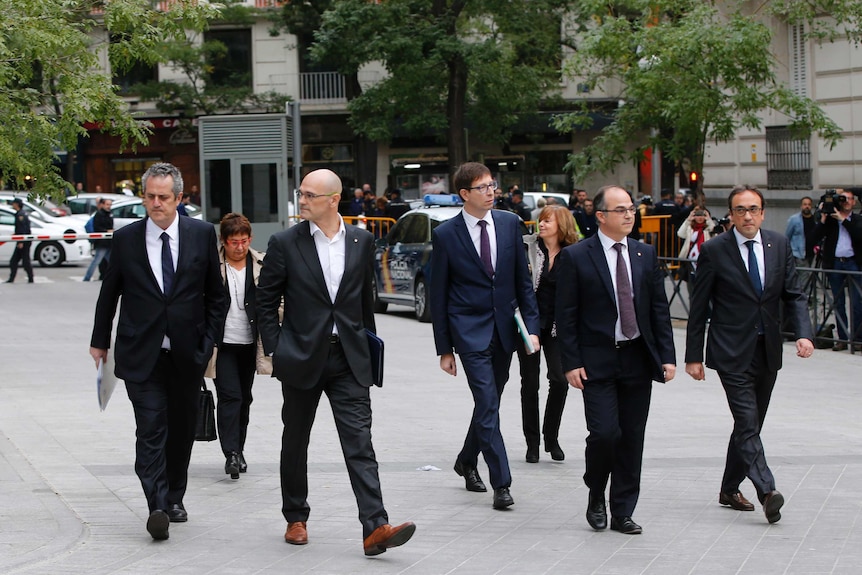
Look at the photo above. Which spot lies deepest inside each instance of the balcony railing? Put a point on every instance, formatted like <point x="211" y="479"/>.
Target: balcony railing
<point x="317" y="87"/>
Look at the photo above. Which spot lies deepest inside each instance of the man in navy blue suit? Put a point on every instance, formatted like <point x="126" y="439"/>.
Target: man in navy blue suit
<point x="479" y="277"/>
<point x="615" y="337"/>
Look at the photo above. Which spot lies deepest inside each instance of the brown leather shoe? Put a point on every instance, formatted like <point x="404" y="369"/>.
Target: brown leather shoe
<point x="772" y="503"/>
<point x="296" y="533"/>
<point x="736" y="501"/>
<point x="387" y="536"/>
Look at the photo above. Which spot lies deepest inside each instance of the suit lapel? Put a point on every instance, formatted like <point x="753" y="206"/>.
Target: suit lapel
<point x="770" y="261"/>
<point x="351" y="257"/>
<point x="308" y="253"/>
<point x="468" y="247"/>
<point x="733" y="254"/>
<point x="600" y="262"/>
<point x="502" y="238"/>
<point x="637" y="264"/>
<point x="141" y="237"/>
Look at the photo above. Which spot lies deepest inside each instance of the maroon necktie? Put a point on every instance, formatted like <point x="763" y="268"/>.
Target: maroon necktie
<point x="485" y="247"/>
<point x="628" y="320"/>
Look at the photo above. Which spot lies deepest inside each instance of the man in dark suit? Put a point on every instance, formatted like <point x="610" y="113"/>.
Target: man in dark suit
<point x="742" y="276"/>
<point x="166" y="269"/>
<point x="479" y="277"/>
<point x="615" y="337"/>
<point x="323" y="272"/>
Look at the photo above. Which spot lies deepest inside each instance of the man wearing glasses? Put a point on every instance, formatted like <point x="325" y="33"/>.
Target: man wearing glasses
<point x="615" y="338"/>
<point x="323" y="272"/>
<point x="841" y="232"/>
<point x="479" y="278"/>
<point x="742" y="276"/>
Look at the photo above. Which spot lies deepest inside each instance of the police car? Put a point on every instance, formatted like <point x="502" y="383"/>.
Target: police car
<point x="402" y="260"/>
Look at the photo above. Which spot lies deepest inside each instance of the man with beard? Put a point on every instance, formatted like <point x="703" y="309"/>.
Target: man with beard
<point x="799" y="228"/>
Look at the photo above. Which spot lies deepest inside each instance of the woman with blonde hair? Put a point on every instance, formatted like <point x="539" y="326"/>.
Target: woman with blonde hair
<point x="557" y="229"/>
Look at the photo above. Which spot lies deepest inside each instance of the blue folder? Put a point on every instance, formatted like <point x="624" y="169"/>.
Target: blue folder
<point x="375" y="347"/>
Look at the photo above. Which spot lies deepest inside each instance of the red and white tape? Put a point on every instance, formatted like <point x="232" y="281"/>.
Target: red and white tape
<point x="46" y="237"/>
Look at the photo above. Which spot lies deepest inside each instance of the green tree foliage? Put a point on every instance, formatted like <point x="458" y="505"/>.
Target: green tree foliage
<point x="206" y="89"/>
<point x="684" y="73"/>
<point x="453" y="67"/>
<point x="52" y="81"/>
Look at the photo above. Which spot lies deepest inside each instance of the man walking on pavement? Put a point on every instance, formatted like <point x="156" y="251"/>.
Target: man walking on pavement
<point x="22" y="249"/>
<point x="741" y="277"/>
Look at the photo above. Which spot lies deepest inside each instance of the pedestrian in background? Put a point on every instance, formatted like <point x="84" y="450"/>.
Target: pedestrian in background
<point x="103" y="221"/>
<point x="240" y="353"/>
<point x="22" y="249"/>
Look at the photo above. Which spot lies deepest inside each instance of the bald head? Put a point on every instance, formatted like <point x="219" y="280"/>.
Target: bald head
<point x="320" y="193"/>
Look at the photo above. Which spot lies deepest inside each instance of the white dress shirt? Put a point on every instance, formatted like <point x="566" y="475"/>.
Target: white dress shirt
<point x="611" y="257"/>
<point x="330" y="253"/>
<point x="475" y="232"/>
<point x="153" y="236"/>
<point x="758" y="253"/>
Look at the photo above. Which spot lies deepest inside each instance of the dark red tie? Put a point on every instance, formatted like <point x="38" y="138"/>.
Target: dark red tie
<point x="485" y="247"/>
<point x="628" y="320"/>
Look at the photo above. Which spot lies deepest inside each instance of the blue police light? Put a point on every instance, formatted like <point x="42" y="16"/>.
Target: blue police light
<point x="442" y="200"/>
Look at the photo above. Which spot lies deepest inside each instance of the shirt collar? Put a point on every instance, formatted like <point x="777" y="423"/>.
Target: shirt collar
<point x="314" y="228"/>
<point x="608" y="243"/>
<point x="741" y="239"/>
<point x="473" y="221"/>
<point x="173" y="230"/>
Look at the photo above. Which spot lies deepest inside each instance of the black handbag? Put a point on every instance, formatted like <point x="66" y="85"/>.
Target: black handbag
<point x="206" y="430"/>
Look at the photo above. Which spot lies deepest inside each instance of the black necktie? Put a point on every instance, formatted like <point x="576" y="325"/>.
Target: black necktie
<point x="628" y="320"/>
<point x="167" y="264"/>
<point x="485" y="247"/>
<point x="753" y="269"/>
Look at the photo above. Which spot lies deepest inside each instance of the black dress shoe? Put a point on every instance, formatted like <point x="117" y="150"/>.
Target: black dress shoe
<point x="502" y="498"/>
<point x="157" y="525"/>
<point x="243" y="466"/>
<point x="231" y="465"/>
<point x="177" y="513"/>
<point x="555" y="451"/>
<point x="472" y="481"/>
<point x="735" y="501"/>
<point x="625" y="525"/>
<point x="533" y="454"/>
<point x="772" y="503"/>
<point x="597" y="516"/>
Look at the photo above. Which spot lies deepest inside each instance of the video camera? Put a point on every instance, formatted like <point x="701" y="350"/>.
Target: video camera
<point x="832" y="203"/>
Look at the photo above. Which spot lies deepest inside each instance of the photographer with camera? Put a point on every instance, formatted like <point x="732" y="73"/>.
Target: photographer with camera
<point x="841" y="232"/>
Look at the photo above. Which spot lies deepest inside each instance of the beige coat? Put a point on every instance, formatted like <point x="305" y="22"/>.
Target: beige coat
<point x="263" y="364"/>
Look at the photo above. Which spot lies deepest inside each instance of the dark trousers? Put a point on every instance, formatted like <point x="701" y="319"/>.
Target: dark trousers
<point x="351" y="408"/>
<point x="837" y="283"/>
<point x="558" y="388"/>
<point x="235" y="366"/>
<point x="21" y="254"/>
<point x="487" y="372"/>
<point x="616" y="410"/>
<point x="166" y="412"/>
<point x="748" y="396"/>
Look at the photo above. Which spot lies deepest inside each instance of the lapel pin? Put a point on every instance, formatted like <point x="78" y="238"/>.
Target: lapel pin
<point x="355" y="240"/>
<point x="769" y="245"/>
<point x="639" y="254"/>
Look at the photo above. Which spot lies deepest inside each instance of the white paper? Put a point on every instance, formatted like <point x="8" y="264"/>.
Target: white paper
<point x="525" y="335"/>
<point x="105" y="381"/>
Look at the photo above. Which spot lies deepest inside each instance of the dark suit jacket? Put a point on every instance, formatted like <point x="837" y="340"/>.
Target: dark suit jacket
<point x="587" y="311"/>
<point x="300" y="345"/>
<point x="192" y="315"/>
<point x="829" y="231"/>
<point x="723" y="281"/>
<point x="466" y="303"/>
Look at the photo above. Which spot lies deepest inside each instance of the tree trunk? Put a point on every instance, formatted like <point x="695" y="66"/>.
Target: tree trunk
<point x="364" y="149"/>
<point x="456" y="105"/>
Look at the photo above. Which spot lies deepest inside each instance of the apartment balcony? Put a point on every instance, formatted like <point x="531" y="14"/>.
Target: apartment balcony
<point x="327" y="89"/>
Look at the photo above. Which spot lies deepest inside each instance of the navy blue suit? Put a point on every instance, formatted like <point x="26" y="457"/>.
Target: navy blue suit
<point x="618" y="386"/>
<point x="473" y="315"/>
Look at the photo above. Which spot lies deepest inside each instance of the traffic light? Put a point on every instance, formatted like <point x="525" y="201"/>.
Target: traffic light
<point x="693" y="177"/>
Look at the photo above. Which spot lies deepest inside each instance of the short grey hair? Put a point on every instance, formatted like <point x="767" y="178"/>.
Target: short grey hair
<point x="163" y="170"/>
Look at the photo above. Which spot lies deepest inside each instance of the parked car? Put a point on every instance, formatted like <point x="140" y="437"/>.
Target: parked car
<point x="49" y="253"/>
<point x="402" y="260"/>
<point x="126" y="210"/>
<point x="531" y="198"/>
<point x="85" y="203"/>
<point x="43" y="210"/>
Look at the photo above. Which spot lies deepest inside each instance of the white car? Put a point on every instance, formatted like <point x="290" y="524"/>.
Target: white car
<point x="43" y="210"/>
<point x="49" y="253"/>
<point x="127" y="210"/>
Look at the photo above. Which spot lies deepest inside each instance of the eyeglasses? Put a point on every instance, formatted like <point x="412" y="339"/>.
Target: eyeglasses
<point x="310" y="196"/>
<point x="740" y="210"/>
<point x="485" y="188"/>
<point x="622" y="211"/>
<point x="238" y="243"/>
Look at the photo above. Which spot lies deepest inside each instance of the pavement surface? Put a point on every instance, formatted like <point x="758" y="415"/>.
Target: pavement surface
<point x="71" y="503"/>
